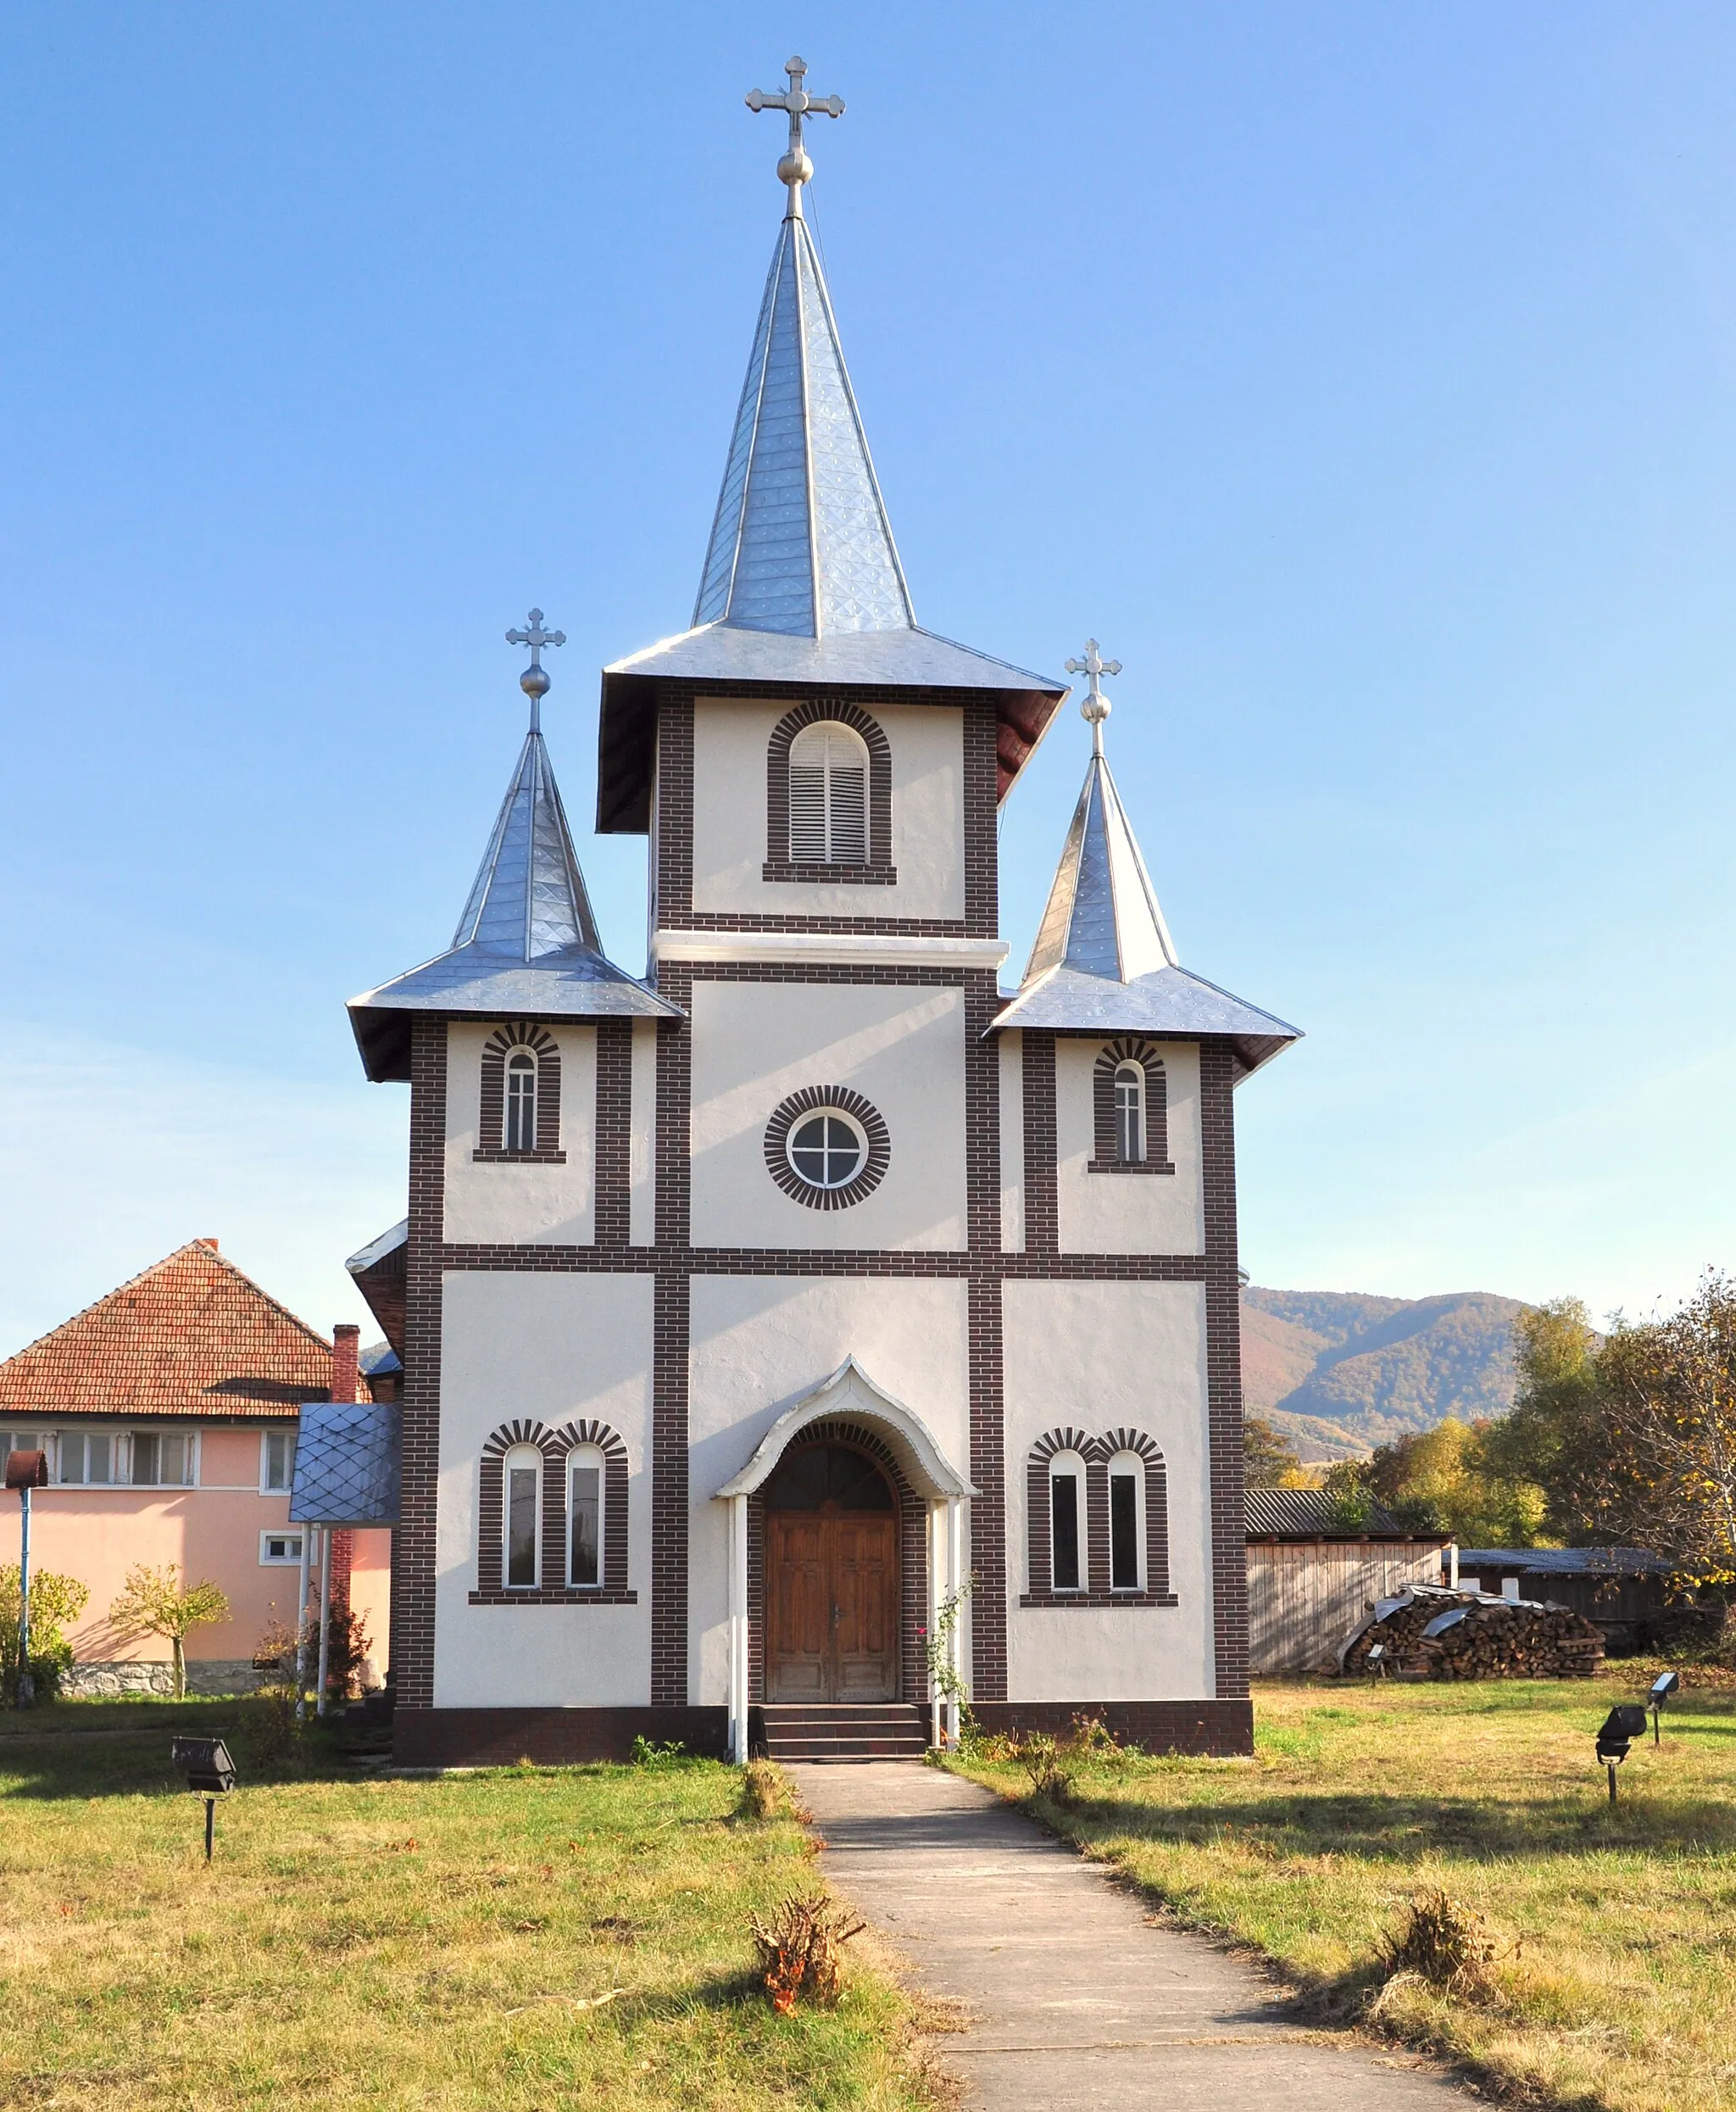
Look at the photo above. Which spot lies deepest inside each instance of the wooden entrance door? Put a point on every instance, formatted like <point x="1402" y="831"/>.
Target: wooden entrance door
<point x="832" y="1599"/>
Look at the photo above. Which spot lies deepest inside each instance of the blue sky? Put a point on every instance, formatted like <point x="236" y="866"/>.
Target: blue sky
<point x="1362" y="376"/>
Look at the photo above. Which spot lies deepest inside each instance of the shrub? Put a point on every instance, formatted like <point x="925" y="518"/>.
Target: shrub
<point x="764" y="1792"/>
<point x="161" y="1603"/>
<point x="800" y="1951"/>
<point x="55" y="1601"/>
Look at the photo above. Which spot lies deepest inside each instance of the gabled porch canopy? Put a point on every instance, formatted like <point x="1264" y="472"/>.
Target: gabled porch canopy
<point x="850" y="1391"/>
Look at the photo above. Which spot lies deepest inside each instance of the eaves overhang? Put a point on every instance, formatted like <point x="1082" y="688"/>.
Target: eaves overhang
<point x="720" y="660"/>
<point x="1170" y="1004"/>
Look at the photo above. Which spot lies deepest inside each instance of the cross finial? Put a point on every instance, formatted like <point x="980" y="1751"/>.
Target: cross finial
<point x="534" y="682"/>
<point x="1094" y="707"/>
<point x="795" y="169"/>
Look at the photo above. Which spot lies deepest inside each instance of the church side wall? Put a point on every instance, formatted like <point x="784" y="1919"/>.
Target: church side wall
<point x="731" y="738"/>
<point x="553" y="1348"/>
<point x="542" y="1205"/>
<point x="1120" y="1213"/>
<point x="1099" y="1357"/>
<point x="759" y="1344"/>
<point x="755" y="1042"/>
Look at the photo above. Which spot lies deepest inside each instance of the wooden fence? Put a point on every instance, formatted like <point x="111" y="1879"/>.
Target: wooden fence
<point x="1306" y="1595"/>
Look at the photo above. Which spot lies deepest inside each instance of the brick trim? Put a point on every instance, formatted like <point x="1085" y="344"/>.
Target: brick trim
<point x="615" y="1131"/>
<point x="815" y="1261"/>
<point x="1097" y="1452"/>
<point x="788" y="1112"/>
<point x="670" y="1522"/>
<point x="1105" y="1130"/>
<point x="1223" y="1365"/>
<point x="982" y="792"/>
<point x="879" y="870"/>
<point x="490" y="1123"/>
<point x="413" y="1552"/>
<point x="988" y="1508"/>
<point x="862" y="927"/>
<point x="672" y="852"/>
<point x="872" y="974"/>
<point x="1041" y="1191"/>
<point x="552" y="1587"/>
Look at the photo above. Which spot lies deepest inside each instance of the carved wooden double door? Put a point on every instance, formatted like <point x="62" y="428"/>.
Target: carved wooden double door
<point x="831" y="1579"/>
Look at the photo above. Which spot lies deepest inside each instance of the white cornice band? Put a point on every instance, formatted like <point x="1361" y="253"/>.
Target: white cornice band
<point x="879" y="949"/>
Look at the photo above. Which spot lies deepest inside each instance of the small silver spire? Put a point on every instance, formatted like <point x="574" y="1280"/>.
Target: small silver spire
<point x="534" y="682"/>
<point x="795" y="169"/>
<point x="1093" y="706"/>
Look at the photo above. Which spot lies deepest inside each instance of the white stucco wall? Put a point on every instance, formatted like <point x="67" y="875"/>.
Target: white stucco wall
<point x="730" y="737"/>
<point x="754" y="1044"/>
<point x="1128" y="1214"/>
<point x="520" y="1205"/>
<point x="760" y="1344"/>
<point x="555" y="1347"/>
<point x="1102" y="1356"/>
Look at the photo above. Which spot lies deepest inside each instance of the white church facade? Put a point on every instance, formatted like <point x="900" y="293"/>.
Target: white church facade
<point x="756" y="1311"/>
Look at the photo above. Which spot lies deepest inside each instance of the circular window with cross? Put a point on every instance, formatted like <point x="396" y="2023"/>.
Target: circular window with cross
<point x="828" y="1147"/>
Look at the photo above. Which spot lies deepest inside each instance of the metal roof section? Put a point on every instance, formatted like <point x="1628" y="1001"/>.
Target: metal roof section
<point x="376" y="1249"/>
<point x="1104" y="962"/>
<point x="346" y="1464"/>
<point x="527" y="941"/>
<point x="801" y="583"/>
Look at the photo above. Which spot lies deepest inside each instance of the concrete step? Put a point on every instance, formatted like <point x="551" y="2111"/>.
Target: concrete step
<point x="842" y="1730"/>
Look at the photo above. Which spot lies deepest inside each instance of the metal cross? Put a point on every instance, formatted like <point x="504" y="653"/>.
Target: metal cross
<point x="1094" y="707"/>
<point x="796" y="169"/>
<point x="534" y="682"/>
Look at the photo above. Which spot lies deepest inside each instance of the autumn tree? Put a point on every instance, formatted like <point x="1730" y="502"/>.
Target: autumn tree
<point x="1267" y="1458"/>
<point x="1444" y="1481"/>
<point x="56" y="1602"/>
<point x="1556" y="1436"/>
<point x="159" y="1603"/>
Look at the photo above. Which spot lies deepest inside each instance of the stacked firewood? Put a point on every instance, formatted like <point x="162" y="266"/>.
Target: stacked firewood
<point x="1431" y="1633"/>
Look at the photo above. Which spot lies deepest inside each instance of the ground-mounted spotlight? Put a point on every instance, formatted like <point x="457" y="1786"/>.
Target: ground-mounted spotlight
<point x="1662" y="1687"/>
<point x="1375" y="1665"/>
<point x="210" y="1773"/>
<point x="1625" y="1722"/>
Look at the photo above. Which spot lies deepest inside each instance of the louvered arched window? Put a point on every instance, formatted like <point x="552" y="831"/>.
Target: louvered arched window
<point x="828" y="796"/>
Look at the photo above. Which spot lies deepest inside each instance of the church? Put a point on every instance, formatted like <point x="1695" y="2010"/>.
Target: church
<point x="812" y="1335"/>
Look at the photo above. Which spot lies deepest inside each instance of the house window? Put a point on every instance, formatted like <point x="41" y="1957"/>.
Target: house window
<point x="278" y="1471"/>
<point x="277" y="1550"/>
<point x="162" y="1459"/>
<point x="521" y="1102"/>
<point x="828" y="1148"/>
<point x="1066" y="1504"/>
<point x="22" y="1441"/>
<point x="584" y="1517"/>
<point x="522" y="1497"/>
<point x="1130" y="1112"/>
<point x="828" y="796"/>
<point x="88" y="1457"/>
<point x="1127" y="1478"/>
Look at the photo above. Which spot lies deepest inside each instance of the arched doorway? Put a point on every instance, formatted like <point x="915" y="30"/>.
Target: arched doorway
<point x="831" y="1578"/>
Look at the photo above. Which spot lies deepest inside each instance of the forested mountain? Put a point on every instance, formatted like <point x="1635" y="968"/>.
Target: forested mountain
<point x="1337" y="1372"/>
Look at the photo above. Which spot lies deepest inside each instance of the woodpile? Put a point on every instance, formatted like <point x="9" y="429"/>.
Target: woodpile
<point x="1432" y="1633"/>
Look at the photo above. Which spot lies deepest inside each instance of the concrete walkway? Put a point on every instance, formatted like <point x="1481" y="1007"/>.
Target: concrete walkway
<point x="1077" y="2003"/>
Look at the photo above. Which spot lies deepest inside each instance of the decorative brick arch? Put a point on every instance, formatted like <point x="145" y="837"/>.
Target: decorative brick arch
<point x="913" y="1555"/>
<point x="807" y="1101"/>
<point x="879" y="870"/>
<point x="491" y="1126"/>
<point x="553" y="1588"/>
<point x="1096" y="1452"/>
<point x="1105" y="1158"/>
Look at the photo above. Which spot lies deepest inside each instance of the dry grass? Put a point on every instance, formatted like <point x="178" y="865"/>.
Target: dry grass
<point x="1612" y="1935"/>
<point x="513" y="1940"/>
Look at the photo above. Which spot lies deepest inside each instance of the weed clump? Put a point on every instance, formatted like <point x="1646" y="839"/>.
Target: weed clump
<point x="764" y="1792"/>
<point x="800" y="1951"/>
<point x="647" y="1752"/>
<point x="1054" y="1764"/>
<point x="1443" y="1941"/>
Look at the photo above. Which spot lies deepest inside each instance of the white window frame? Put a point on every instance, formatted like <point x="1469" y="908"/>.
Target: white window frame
<point x="86" y="1438"/>
<point x="520" y="1457"/>
<point x="1060" y="1465"/>
<point x="159" y="1431"/>
<point x="832" y="1114"/>
<point x="524" y="1058"/>
<point x="289" y="1433"/>
<point x="285" y="1533"/>
<point x="589" y="1455"/>
<point x="1129" y="1466"/>
<point x="1131" y="1076"/>
<point x="828" y="735"/>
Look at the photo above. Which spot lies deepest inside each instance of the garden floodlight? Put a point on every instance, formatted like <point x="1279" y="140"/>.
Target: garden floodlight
<point x="1625" y="1722"/>
<point x="1376" y="1660"/>
<point x="210" y="1772"/>
<point x="1662" y="1687"/>
<point x="24" y="1471"/>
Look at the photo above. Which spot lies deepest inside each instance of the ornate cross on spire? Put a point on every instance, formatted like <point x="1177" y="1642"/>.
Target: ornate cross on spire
<point x="534" y="682"/>
<point x="1094" y="707"/>
<point x="795" y="169"/>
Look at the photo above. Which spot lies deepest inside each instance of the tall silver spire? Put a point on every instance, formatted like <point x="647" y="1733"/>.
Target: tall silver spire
<point x="1103" y="960"/>
<point x="800" y="544"/>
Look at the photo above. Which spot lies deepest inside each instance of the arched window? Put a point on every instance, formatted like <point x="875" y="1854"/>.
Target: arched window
<point x="1066" y="1522"/>
<point x="584" y="1517"/>
<point x="1130" y="1112"/>
<point x="521" y="1130"/>
<point x="1127" y="1521"/>
<point x="521" y="1504"/>
<point x="828" y="796"/>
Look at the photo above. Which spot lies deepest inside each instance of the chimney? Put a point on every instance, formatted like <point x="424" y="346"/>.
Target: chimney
<point x="345" y="1340"/>
<point x="212" y="1243"/>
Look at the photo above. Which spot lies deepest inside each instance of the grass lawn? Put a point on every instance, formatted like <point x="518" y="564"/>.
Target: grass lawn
<point x="1617" y="1987"/>
<point x="404" y="1943"/>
